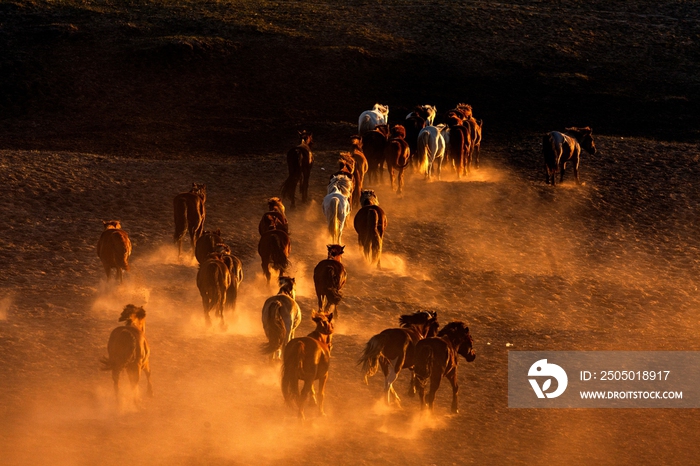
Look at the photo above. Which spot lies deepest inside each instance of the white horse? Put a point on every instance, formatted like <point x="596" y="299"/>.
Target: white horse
<point x="431" y="148"/>
<point x="427" y="112"/>
<point x="342" y="183"/>
<point x="336" y="208"/>
<point x="281" y="316"/>
<point x="370" y="119"/>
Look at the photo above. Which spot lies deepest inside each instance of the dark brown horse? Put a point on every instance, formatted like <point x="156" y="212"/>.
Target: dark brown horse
<point x="275" y="218"/>
<point x="235" y="268"/>
<point x="413" y="124"/>
<point x="370" y="223"/>
<point x="397" y="155"/>
<point x="458" y="145"/>
<point x="394" y="349"/>
<point x="299" y="161"/>
<point x="437" y="358"/>
<point x="281" y="315"/>
<point x="114" y="248"/>
<point x="190" y="213"/>
<point x="329" y="279"/>
<point x="128" y="349"/>
<point x="307" y="358"/>
<point x="213" y="281"/>
<point x="360" y="168"/>
<point x="465" y="114"/>
<point x="206" y="244"/>
<point x="562" y="148"/>
<point x="274" y="249"/>
<point x="373" y="143"/>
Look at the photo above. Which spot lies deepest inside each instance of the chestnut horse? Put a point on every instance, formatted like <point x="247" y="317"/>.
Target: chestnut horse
<point x="299" y="161"/>
<point x="206" y="244"/>
<point x="437" y="358"/>
<point x="114" y="248"/>
<point x="281" y="316"/>
<point x="128" y="349"/>
<point x="397" y="155"/>
<point x="190" y="213"/>
<point x="373" y="143"/>
<point x="561" y="148"/>
<point x="235" y="268"/>
<point x="274" y="249"/>
<point x="307" y="358"/>
<point x="329" y="279"/>
<point x="370" y="223"/>
<point x="275" y="218"/>
<point x="394" y="349"/>
<point x="458" y="145"/>
<point x="213" y="281"/>
<point x="360" y="168"/>
<point x="413" y="124"/>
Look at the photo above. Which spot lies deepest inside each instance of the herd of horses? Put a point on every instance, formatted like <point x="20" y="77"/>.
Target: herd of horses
<point x="417" y="344"/>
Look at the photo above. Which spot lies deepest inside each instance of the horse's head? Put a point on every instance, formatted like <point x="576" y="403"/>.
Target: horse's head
<point x="324" y="322"/>
<point x="465" y="110"/>
<point x="398" y="131"/>
<point x="199" y="189"/>
<point x="346" y="162"/>
<point x="356" y="140"/>
<point x="368" y="197"/>
<point x="335" y="251"/>
<point x="287" y="286"/>
<point x="383" y="109"/>
<point x="584" y="136"/>
<point x="112" y="225"/>
<point x="466" y="349"/>
<point x="306" y="137"/>
<point x="275" y="204"/>
<point x="135" y="316"/>
<point x="222" y="249"/>
<point x="458" y="334"/>
<point x="453" y="119"/>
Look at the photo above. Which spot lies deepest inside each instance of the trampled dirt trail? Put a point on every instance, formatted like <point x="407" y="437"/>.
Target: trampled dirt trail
<point x="608" y="265"/>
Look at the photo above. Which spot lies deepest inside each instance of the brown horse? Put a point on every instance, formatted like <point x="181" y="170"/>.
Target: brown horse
<point x="213" y="281"/>
<point x="128" y="349"/>
<point x="373" y="143"/>
<point x="274" y="249"/>
<point x="114" y="248"/>
<point x="458" y="145"/>
<point x="275" y="218"/>
<point x="281" y="315"/>
<point x="437" y="358"/>
<point x="562" y="148"/>
<point x="360" y="168"/>
<point x="235" y="268"/>
<point x="370" y="223"/>
<point x="307" y="358"/>
<point x="394" y="349"/>
<point x="465" y="114"/>
<point x="190" y="212"/>
<point x="329" y="279"/>
<point x="397" y="155"/>
<point x="413" y="124"/>
<point x="206" y="244"/>
<point x="299" y="161"/>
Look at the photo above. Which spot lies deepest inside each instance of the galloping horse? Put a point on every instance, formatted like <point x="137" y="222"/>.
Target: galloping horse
<point x="397" y="155"/>
<point x="206" y="244"/>
<point x="360" y="168"/>
<point x="307" y="358"/>
<point x="274" y="248"/>
<point x="437" y="358"/>
<point x="431" y="148"/>
<point x="336" y="205"/>
<point x="190" y="213"/>
<point x="394" y="349"/>
<point x="235" y="268"/>
<point x="213" y="281"/>
<point x="464" y="112"/>
<point x="561" y="148"/>
<point x="281" y="316"/>
<point x="370" y="119"/>
<point x="114" y="248"/>
<point x="128" y="349"/>
<point x="413" y="124"/>
<point x="370" y="223"/>
<point x="299" y="161"/>
<point x="457" y="145"/>
<point x="275" y="218"/>
<point x="329" y="279"/>
<point x="373" y="143"/>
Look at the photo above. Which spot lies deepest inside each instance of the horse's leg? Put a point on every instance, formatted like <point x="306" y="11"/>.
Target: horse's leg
<point x="266" y="271"/>
<point x="308" y="386"/>
<point x="120" y="278"/>
<point x="412" y="385"/>
<point x="147" y="371"/>
<point x="205" y="305"/>
<point x="452" y="377"/>
<point x="108" y="271"/>
<point x="134" y="372"/>
<point x="562" y="168"/>
<point x="576" y="163"/>
<point x="435" y="379"/>
<point x="115" y="378"/>
<point x="439" y="168"/>
<point x="390" y="379"/>
<point x="320" y="302"/>
<point x="400" y="180"/>
<point x="322" y="392"/>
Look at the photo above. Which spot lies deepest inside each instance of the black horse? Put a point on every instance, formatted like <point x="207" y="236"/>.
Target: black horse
<point x="299" y="160"/>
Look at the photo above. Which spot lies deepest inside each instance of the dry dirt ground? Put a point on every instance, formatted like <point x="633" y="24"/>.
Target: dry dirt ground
<point x="610" y="265"/>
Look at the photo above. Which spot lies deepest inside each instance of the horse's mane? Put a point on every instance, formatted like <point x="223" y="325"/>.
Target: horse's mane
<point x="383" y="109"/>
<point x="368" y="197"/>
<point x="131" y="310"/>
<point x="112" y="225"/>
<point x="275" y="202"/>
<point x="286" y="284"/>
<point x="398" y="131"/>
<point x="417" y="318"/>
<point x="452" y="327"/>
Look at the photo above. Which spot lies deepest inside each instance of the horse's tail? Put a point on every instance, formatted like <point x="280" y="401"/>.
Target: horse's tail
<point x="548" y="152"/>
<point x="232" y="291"/>
<point x="278" y="253"/>
<point x="333" y="222"/>
<point x="180" y="210"/>
<point x="424" y="151"/>
<point x="291" y="367"/>
<point x="364" y="125"/>
<point x="294" y="163"/>
<point x="373" y="248"/>
<point x="333" y="294"/>
<point x="370" y="356"/>
<point x="423" y="365"/>
<point x="275" y="330"/>
<point x="122" y="250"/>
